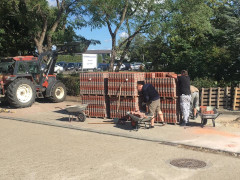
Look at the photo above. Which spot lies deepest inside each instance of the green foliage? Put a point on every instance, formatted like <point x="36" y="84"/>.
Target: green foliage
<point x="14" y="34"/>
<point x="72" y="83"/>
<point x="26" y="25"/>
<point x="99" y="58"/>
<point x="70" y="58"/>
<point x="132" y="17"/>
<point x="199" y="36"/>
<point x="208" y="82"/>
<point x="204" y="83"/>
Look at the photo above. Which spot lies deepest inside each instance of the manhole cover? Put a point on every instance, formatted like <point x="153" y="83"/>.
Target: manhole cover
<point x="188" y="163"/>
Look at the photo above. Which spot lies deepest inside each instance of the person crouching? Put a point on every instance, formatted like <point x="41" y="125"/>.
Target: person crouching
<point x="152" y="99"/>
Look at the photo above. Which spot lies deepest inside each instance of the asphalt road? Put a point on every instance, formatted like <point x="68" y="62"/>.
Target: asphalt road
<point x="33" y="151"/>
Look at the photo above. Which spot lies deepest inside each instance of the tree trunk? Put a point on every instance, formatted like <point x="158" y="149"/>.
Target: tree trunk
<point x="113" y="53"/>
<point x="39" y="38"/>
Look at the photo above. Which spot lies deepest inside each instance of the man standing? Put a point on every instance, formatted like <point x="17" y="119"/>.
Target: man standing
<point x="152" y="99"/>
<point x="194" y="100"/>
<point x="185" y="95"/>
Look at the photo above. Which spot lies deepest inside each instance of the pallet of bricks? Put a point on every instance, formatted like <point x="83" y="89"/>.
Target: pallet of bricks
<point x="166" y="87"/>
<point x="93" y="91"/>
<point x="123" y="93"/>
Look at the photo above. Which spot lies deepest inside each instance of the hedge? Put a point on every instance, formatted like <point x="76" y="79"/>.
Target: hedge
<point x="72" y="83"/>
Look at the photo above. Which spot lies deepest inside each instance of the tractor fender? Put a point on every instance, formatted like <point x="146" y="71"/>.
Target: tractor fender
<point x="50" y="86"/>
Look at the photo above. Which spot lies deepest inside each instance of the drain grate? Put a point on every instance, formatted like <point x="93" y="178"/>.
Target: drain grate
<point x="188" y="163"/>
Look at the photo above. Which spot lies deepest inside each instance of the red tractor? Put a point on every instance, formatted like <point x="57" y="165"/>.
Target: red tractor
<point x="25" y="78"/>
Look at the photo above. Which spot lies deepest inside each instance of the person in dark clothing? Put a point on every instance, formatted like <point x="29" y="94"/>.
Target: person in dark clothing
<point x="152" y="99"/>
<point x="185" y="95"/>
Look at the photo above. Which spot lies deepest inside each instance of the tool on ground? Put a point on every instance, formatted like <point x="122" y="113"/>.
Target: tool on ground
<point x="77" y="111"/>
<point x="5" y="110"/>
<point x="136" y="121"/>
<point x="208" y="112"/>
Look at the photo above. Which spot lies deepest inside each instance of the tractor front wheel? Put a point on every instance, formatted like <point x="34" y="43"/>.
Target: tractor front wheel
<point x="58" y="93"/>
<point x="21" y="93"/>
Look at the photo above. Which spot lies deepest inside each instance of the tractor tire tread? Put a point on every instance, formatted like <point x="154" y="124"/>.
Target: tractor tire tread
<point x="11" y="93"/>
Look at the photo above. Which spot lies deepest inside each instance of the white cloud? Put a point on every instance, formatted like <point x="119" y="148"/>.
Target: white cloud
<point x="52" y="2"/>
<point x="108" y="40"/>
<point x="123" y="35"/>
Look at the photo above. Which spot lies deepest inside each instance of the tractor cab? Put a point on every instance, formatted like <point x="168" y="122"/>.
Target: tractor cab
<point x="7" y="66"/>
<point x="20" y="66"/>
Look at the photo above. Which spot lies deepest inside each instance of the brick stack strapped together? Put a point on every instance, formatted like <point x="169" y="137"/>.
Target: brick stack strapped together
<point x="167" y="90"/>
<point x="123" y="93"/>
<point x="113" y="94"/>
<point x="93" y="91"/>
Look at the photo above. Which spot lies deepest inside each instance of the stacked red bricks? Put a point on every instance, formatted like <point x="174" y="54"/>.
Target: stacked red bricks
<point x="169" y="109"/>
<point x="124" y="84"/>
<point x="93" y="83"/>
<point x="93" y="90"/>
<point x="166" y="87"/>
<point x="123" y="93"/>
<point x="114" y="94"/>
<point x="120" y="107"/>
<point x="96" y="105"/>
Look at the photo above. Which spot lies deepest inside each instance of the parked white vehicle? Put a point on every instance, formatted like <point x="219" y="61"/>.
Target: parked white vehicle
<point x="58" y="69"/>
<point x="122" y="67"/>
<point x="136" y="65"/>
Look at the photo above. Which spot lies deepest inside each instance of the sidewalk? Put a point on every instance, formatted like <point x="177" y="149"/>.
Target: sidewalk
<point x="224" y="137"/>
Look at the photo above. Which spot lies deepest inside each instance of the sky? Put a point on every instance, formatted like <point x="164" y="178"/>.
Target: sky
<point x="96" y="34"/>
<point x="102" y="35"/>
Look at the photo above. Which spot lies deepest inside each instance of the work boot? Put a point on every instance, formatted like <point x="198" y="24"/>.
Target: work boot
<point x="197" y="115"/>
<point x="184" y="124"/>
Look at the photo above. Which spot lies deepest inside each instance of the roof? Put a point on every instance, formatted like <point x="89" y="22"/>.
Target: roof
<point x="24" y="58"/>
<point x="96" y="52"/>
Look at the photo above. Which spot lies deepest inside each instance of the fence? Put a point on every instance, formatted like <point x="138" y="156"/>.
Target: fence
<point x="218" y="97"/>
<point x="236" y="99"/>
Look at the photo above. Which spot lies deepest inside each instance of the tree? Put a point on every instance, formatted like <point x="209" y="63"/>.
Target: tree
<point x="33" y="23"/>
<point x="48" y="20"/>
<point x="133" y="17"/>
<point x="183" y="37"/>
<point x="136" y="50"/>
<point x="14" y="37"/>
<point x="226" y="40"/>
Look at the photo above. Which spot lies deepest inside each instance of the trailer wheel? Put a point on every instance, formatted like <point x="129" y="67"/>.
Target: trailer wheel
<point x="21" y="93"/>
<point x="58" y="92"/>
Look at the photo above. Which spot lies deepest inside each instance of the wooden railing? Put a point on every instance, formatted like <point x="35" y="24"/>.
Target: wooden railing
<point x="217" y="97"/>
<point x="236" y="99"/>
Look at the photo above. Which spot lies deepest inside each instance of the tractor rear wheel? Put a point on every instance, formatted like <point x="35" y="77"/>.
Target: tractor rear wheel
<point x="58" y="92"/>
<point x="21" y="93"/>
